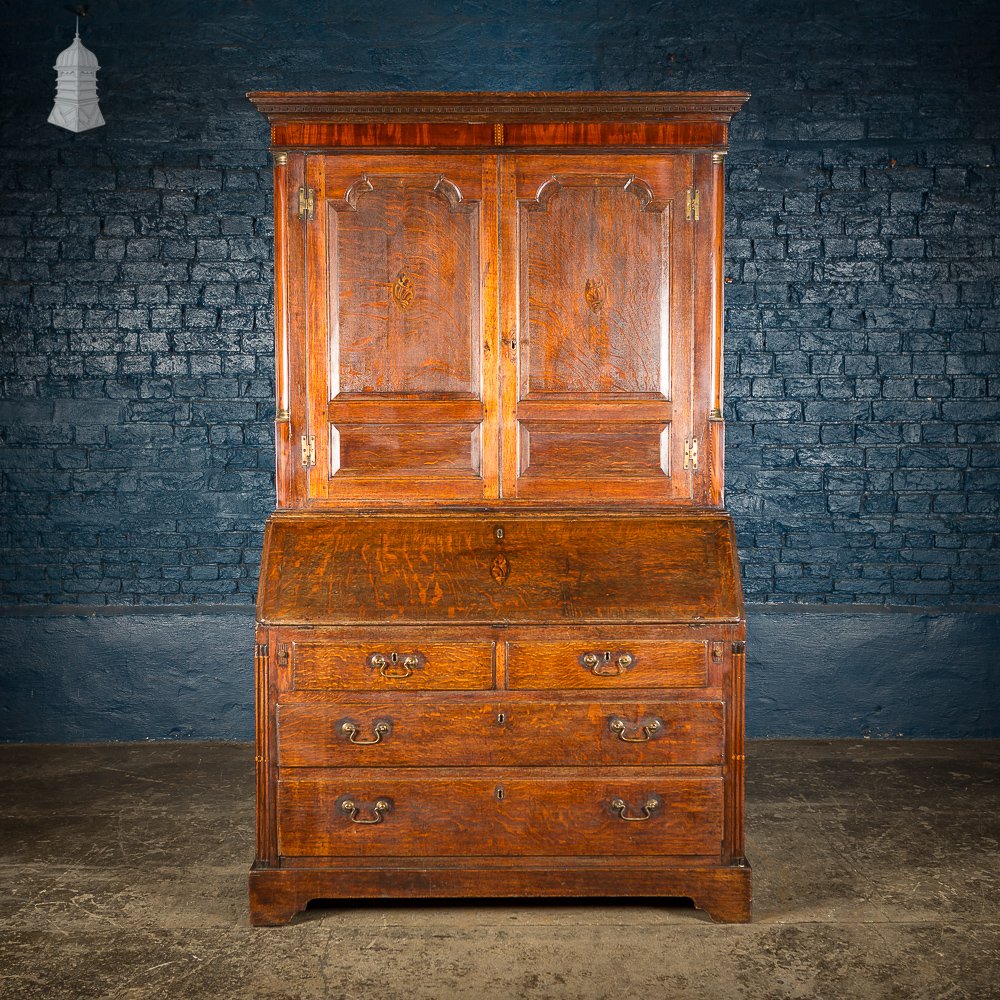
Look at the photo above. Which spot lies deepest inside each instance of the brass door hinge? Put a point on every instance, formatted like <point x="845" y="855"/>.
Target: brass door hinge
<point x="692" y="210"/>
<point x="307" y="202"/>
<point x="308" y="451"/>
<point x="691" y="453"/>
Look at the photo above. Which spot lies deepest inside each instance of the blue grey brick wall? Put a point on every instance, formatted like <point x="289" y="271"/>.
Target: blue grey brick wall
<point x="863" y="351"/>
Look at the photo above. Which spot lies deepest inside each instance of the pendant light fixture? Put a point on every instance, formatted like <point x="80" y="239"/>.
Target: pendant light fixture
<point x="76" y="69"/>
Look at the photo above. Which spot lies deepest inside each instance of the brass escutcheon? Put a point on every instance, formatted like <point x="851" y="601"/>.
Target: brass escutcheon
<point x="604" y="665"/>
<point x="389" y="666"/>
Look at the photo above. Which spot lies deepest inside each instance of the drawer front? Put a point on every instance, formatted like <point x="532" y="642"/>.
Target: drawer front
<point x="392" y="666"/>
<point x="364" y="814"/>
<point x="374" y="732"/>
<point x="605" y="664"/>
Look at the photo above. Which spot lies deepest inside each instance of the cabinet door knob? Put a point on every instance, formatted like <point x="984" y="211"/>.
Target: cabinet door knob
<point x="649" y="807"/>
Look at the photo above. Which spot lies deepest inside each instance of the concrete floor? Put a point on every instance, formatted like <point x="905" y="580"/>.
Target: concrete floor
<point x="877" y="868"/>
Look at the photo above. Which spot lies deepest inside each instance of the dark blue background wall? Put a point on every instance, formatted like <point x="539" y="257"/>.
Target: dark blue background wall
<point x="863" y="350"/>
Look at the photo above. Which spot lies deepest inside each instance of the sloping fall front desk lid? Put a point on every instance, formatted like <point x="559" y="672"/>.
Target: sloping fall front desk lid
<point x="343" y="569"/>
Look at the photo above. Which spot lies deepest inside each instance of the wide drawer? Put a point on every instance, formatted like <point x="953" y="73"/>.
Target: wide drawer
<point x="371" y="814"/>
<point x="391" y="666"/>
<point x="605" y="664"/>
<point x="390" y="732"/>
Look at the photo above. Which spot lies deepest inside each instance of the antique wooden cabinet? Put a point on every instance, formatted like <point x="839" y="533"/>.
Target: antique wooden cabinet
<point x="500" y="643"/>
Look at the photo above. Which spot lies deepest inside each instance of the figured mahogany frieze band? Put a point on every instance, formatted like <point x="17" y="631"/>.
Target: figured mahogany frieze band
<point x="518" y="135"/>
<point x="505" y="107"/>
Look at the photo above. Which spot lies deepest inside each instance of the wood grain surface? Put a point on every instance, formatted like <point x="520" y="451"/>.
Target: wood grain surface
<point x="504" y="814"/>
<point x="494" y="732"/>
<point x="498" y="106"/>
<point x="623" y="663"/>
<point x="438" y="569"/>
<point x="343" y="666"/>
<point x="723" y="892"/>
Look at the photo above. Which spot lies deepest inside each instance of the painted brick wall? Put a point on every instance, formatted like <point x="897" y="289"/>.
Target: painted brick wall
<point x="863" y="348"/>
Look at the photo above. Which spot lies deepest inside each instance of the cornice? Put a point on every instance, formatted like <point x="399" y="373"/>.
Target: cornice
<point x="504" y="107"/>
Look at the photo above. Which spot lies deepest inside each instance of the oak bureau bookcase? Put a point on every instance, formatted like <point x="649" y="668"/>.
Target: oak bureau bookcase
<point x="501" y="639"/>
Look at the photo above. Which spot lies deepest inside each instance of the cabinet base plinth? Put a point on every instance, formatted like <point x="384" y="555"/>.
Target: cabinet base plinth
<point x="278" y="894"/>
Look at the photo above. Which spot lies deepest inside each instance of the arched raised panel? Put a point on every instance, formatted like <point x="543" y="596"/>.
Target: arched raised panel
<point x="398" y="383"/>
<point x="598" y="293"/>
<point x="405" y="287"/>
<point x="595" y="287"/>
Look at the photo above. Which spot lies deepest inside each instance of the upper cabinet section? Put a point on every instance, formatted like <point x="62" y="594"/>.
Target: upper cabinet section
<point x="492" y="299"/>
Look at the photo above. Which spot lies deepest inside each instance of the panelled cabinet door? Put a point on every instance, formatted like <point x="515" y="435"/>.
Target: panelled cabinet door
<point x="597" y="317"/>
<point x="402" y="370"/>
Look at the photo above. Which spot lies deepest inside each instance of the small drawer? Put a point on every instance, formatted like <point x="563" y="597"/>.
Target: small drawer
<point x="388" y="732"/>
<point x="604" y="663"/>
<point x="368" y="814"/>
<point x="392" y="666"/>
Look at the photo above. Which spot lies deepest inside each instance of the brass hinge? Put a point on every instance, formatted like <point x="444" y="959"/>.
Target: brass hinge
<point x="693" y="208"/>
<point x="308" y="451"/>
<point x="307" y="202"/>
<point x="691" y="453"/>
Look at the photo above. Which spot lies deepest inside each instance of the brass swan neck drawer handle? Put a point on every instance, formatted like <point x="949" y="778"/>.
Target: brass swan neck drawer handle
<point x="640" y="734"/>
<point x="392" y="667"/>
<point x="381" y="807"/>
<point x="603" y="665"/>
<point x="650" y="806"/>
<point x="382" y="727"/>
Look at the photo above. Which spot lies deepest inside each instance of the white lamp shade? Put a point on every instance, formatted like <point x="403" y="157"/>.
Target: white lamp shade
<point x="76" y="105"/>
